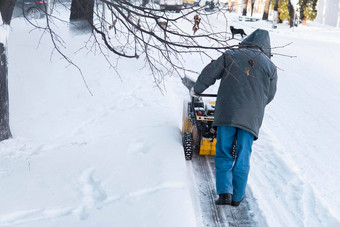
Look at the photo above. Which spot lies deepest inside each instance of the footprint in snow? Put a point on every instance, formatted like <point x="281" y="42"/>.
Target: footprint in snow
<point x="93" y="195"/>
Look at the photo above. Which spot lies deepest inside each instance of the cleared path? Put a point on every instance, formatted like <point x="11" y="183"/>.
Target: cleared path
<point x="212" y="215"/>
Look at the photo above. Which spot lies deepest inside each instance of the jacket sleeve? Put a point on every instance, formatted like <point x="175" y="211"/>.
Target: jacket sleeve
<point x="272" y="88"/>
<point x="210" y="74"/>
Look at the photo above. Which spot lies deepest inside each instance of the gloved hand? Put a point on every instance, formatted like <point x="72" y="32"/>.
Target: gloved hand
<point x="192" y="93"/>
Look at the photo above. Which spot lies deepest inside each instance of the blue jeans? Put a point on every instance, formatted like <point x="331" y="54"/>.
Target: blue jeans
<point x="232" y="177"/>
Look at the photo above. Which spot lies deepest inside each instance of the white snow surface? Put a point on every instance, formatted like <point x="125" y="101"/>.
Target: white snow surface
<point x="116" y="159"/>
<point x="4" y="31"/>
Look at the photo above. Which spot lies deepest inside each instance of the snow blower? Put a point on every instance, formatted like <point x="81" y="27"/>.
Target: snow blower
<point x="198" y="134"/>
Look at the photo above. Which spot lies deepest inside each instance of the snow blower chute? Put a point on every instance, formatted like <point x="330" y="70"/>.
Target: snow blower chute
<point x="198" y="134"/>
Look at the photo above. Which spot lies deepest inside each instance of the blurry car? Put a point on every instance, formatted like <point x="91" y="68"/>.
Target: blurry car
<point x="171" y="5"/>
<point x="31" y="9"/>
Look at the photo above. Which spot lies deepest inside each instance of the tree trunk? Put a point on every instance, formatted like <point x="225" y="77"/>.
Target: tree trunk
<point x="302" y="8"/>
<point x="291" y="12"/>
<point x="275" y="13"/>
<point x="245" y="6"/>
<point x="6" y="10"/>
<point x="252" y="7"/>
<point x="266" y="10"/>
<point x="5" y="131"/>
<point x="81" y="17"/>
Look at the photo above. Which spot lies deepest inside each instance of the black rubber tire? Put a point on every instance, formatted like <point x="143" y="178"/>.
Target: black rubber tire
<point x="188" y="145"/>
<point x="34" y="13"/>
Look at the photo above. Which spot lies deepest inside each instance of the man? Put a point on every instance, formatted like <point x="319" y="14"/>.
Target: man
<point x="248" y="84"/>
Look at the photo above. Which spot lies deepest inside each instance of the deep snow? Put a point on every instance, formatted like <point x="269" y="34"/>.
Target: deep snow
<point x="115" y="158"/>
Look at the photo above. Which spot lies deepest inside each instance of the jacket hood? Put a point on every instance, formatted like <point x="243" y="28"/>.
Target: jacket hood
<point x="260" y="39"/>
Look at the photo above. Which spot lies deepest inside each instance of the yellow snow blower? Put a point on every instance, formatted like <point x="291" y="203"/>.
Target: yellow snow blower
<point x="198" y="134"/>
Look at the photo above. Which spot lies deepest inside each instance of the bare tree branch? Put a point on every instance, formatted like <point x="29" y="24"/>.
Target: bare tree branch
<point x="163" y="40"/>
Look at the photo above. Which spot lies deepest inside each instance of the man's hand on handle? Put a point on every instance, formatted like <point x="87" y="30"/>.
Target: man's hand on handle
<point x="193" y="93"/>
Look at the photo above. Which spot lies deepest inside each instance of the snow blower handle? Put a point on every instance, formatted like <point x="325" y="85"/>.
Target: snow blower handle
<point x="189" y="83"/>
<point x="207" y="95"/>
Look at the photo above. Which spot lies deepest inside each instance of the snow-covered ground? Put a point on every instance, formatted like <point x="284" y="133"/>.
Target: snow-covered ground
<point x="116" y="159"/>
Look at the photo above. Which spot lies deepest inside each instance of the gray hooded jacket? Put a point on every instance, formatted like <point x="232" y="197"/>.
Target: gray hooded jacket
<point x="248" y="83"/>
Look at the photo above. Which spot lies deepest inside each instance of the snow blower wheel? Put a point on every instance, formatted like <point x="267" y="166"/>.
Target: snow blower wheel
<point x="188" y="145"/>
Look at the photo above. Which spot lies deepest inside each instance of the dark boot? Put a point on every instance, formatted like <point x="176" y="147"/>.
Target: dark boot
<point x="224" y="199"/>
<point x="235" y="204"/>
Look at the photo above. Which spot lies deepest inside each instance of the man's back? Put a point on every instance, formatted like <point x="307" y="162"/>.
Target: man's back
<point x="248" y="83"/>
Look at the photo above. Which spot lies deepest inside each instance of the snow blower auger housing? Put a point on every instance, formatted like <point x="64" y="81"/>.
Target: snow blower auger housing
<point x="198" y="134"/>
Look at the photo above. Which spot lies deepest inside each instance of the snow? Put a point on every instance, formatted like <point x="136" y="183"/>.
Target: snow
<point x="116" y="159"/>
<point x="295" y="4"/>
<point x="299" y="144"/>
<point x="328" y="12"/>
<point x="4" y="31"/>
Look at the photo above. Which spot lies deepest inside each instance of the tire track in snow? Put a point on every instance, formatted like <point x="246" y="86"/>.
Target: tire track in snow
<point x="212" y="215"/>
